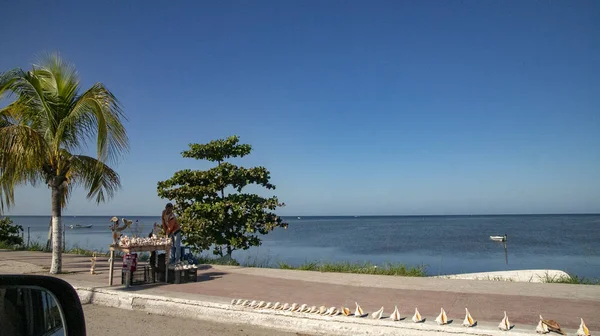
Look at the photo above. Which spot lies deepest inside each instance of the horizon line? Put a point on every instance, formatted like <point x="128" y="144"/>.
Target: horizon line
<point x="387" y="215"/>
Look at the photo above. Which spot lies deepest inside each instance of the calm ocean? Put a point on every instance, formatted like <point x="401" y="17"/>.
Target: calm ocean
<point x="446" y="244"/>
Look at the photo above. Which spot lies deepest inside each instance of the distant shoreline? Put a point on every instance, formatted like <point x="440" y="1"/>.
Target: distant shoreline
<point x="347" y="216"/>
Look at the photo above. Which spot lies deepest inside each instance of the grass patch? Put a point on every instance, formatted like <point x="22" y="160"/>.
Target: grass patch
<point x="257" y="262"/>
<point x="85" y="252"/>
<point x="33" y="246"/>
<point x="336" y="267"/>
<point x="6" y="246"/>
<point x="254" y="262"/>
<point x="359" y="268"/>
<point x="217" y="261"/>
<point x="571" y="279"/>
<point x="36" y="246"/>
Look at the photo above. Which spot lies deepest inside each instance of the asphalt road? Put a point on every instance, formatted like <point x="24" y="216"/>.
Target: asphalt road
<point x="102" y="321"/>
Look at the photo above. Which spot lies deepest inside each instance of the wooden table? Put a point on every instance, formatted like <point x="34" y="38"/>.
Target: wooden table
<point x="149" y="248"/>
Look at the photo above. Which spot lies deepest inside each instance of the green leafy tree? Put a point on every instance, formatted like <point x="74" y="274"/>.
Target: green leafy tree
<point x="45" y="129"/>
<point x="10" y="233"/>
<point x="212" y="207"/>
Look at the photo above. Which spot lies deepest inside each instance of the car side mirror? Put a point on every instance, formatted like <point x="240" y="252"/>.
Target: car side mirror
<point x="34" y="305"/>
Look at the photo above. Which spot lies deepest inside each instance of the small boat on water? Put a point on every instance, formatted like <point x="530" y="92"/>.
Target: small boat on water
<point x="499" y="238"/>
<point x="79" y="226"/>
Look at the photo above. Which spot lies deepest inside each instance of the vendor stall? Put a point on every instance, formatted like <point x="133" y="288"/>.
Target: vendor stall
<point x="181" y="271"/>
<point x="128" y="245"/>
<point x="133" y="249"/>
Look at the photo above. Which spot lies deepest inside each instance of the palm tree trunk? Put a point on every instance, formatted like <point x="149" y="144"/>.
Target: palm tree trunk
<point x="56" y="266"/>
<point x="49" y="241"/>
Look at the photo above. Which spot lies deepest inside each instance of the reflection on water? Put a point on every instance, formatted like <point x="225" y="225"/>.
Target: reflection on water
<point x="446" y="244"/>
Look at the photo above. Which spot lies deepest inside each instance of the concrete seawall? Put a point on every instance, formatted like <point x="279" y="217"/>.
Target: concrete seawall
<point x="279" y="320"/>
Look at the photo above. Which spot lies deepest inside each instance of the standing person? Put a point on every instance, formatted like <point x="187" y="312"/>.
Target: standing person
<point x="172" y="230"/>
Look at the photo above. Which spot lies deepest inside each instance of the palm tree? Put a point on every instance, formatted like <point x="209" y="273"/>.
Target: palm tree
<point x="44" y="131"/>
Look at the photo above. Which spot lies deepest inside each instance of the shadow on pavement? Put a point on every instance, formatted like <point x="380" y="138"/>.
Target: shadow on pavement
<point x="136" y="288"/>
<point x="209" y="276"/>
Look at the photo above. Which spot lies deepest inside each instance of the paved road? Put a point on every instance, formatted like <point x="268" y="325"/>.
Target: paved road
<point x="102" y="321"/>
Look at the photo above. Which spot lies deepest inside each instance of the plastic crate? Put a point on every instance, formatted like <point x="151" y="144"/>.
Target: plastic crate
<point x="178" y="277"/>
<point x="161" y="262"/>
<point x="192" y="275"/>
<point x="158" y="276"/>
<point x="138" y="277"/>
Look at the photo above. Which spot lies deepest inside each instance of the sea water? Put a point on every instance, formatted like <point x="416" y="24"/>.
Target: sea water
<point x="445" y="244"/>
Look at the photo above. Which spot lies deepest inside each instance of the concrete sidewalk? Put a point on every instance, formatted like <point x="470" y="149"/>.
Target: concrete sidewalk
<point x="217" y="285"/>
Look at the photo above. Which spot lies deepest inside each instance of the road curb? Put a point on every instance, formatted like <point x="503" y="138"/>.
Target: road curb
<point x="279" y="320"/>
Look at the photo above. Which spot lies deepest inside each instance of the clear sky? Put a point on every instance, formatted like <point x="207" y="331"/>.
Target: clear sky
<point x="356" y="107"/>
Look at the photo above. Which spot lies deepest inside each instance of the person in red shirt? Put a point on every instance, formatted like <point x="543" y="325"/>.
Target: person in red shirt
<point x="172" y="230"/>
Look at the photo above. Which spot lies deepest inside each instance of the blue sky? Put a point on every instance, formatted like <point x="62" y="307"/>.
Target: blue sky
<point x="356" y="107"/>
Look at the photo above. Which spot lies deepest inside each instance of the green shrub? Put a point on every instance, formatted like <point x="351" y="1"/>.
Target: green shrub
<point x="10" y="234"/>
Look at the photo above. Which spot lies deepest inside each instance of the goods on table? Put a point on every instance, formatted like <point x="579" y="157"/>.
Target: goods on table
<point x="183" y="266"/>
<point x="116" y="228"/>
<point x="126" y="241"/>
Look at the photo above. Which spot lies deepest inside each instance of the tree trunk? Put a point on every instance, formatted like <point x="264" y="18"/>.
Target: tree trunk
<point x="56" y="266"/>
<point x="49" y="241"/>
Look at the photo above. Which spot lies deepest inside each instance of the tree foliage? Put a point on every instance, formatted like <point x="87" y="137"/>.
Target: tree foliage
<point x="46" y="128"/>
<point x="10" y="233"/>
<point x="212" y="206"/>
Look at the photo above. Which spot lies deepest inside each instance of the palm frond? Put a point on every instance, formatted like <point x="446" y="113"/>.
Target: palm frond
<point x="22" y="151"/>
<point x="99" y="179"/>
<point x="47" y="121"/>
<point x="31" y="94"/>
<point x="22" y="154"/>
<point x="97" y="113"/>
<point x="6" y="116"/>
<point x="61" y="77"/>
<point x="7" y="194"/>
<point x="13" y="114"/>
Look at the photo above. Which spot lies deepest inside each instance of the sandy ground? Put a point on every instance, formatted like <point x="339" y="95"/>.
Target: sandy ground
<point x="17" y="267"/>
<point x="100" y="321"/>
